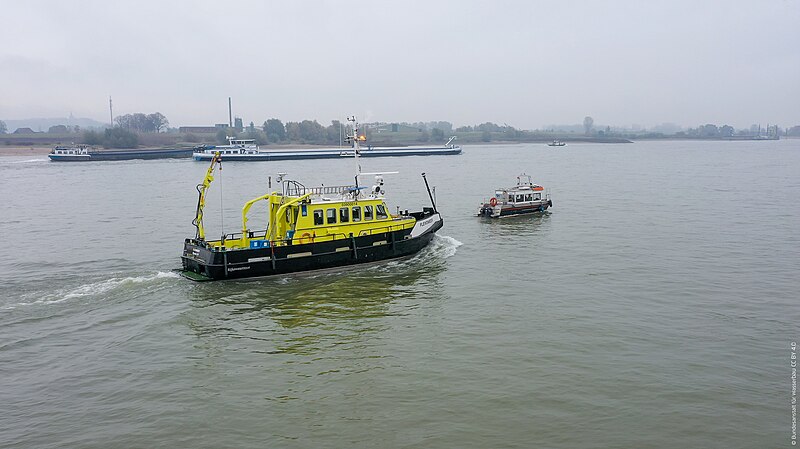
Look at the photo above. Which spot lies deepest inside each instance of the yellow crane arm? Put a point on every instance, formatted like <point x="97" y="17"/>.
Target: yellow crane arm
<point x="201" y="200"/>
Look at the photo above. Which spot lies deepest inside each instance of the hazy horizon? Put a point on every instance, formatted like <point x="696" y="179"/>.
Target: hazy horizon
<point x="525" y="64"/>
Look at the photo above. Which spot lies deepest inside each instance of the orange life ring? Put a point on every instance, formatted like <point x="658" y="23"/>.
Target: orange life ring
<point x="493" y="202"/>
<point x="306" y="238"/>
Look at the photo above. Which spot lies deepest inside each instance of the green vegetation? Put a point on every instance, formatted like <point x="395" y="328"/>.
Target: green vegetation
<point x="274" y="130"/>
<point x="125" y="134"/>
<point x="145" y="123"/>
<point x="311" y="132"/>
<point x="305" y="132"/>
<point x="112" y="138"/>
<point x="711" y="131"/>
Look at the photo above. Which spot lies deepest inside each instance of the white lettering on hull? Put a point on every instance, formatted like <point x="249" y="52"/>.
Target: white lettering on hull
<point x="238" y="268"/>
<point x="422" y="226"/>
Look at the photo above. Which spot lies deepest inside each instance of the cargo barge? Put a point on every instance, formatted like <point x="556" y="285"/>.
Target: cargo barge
<point x="84" y="153"/>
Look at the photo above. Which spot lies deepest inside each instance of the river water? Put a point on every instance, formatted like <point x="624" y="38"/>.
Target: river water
<point x="653" y="307"/>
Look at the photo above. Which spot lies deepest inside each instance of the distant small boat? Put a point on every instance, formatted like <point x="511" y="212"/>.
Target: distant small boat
<point x="556" y="143"/>
<point x="84" y="153"/>
<point x="524" y="198"/>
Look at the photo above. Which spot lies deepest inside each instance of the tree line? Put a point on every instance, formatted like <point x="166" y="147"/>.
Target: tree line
<point x="124" y="133"/>
<point x="144" y="123"/>
<point x="274" y="131"/>
<point x="116" y="137"/>
<point x="711" y="130"/>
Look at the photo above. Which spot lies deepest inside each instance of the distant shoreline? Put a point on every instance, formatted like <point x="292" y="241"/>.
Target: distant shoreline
<point x="40" y="150"/>
<point x="43" y="150"/>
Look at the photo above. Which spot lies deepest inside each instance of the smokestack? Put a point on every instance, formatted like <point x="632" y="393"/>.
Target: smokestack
<point x="230" y="114"/>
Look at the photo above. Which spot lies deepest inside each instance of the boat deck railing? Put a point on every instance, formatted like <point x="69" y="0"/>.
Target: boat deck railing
<point x="322" y="190"/>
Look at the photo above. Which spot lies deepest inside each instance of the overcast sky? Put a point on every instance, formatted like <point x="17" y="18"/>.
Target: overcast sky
<point x="524" y="63"/>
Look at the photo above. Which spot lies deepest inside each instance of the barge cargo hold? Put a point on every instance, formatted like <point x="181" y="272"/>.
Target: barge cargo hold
<point x="83" y="153"/>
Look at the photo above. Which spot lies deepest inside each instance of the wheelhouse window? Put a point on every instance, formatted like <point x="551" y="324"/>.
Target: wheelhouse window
<point x="356" y="213"/>
<point x="537" y="196"/>
<point x="520" y="198"/>
<point x="381" y="212"/>
<point x="528" y="197"/>
<point x="344" y="214"/>
<point x="304" y="210"/>
<point x="367" y="213"/>
<point x="318" y="217"/>
<point x="331" y="213"/>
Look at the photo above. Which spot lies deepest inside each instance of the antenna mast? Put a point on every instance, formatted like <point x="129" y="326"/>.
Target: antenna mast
<point x="356" y="149"/>
<point x="111" y="111"/>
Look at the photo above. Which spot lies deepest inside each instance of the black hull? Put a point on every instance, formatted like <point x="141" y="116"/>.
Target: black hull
<point x="300" y="155"/>
<point x="113" y="155"/>
<point x="523" y="211"/>
<point x="213" y="265"/>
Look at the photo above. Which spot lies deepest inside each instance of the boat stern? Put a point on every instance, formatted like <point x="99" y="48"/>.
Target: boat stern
<point x="487" y="210"/>
<point x="198" y="259"/>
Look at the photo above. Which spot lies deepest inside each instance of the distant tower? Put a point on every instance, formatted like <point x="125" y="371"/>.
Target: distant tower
<point x="230" y="114"/>
<point x="111" y="110"/>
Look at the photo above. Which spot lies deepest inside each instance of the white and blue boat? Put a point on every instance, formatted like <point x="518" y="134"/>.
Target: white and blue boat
<point x="247" y="150"/>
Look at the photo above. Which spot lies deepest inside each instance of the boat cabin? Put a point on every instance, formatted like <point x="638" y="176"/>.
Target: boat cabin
<point x="234" y="151"/>
<point x="234" y="146"/>
<point x="301" y="215"/>
<point x="518" y="196"/>
<point x="79" y="150"/>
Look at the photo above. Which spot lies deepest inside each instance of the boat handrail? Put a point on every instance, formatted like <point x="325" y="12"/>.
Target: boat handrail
<point x="322" y="190"/>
